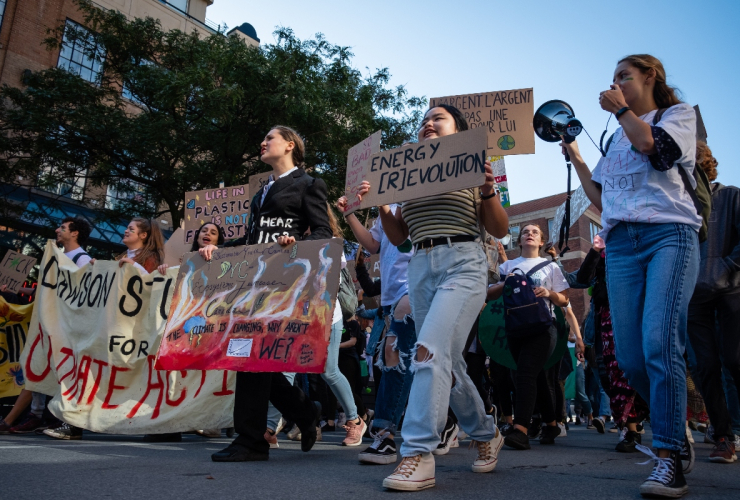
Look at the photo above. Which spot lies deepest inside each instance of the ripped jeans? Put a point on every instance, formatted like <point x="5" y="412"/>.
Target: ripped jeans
<point x="396" y="380"/>
<point x="447" y="287"/>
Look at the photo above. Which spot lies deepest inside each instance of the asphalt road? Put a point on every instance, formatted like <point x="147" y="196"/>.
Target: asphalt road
<point x="581" y="465"/>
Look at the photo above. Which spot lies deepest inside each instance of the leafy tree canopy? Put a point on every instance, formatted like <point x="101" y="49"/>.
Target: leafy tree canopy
<point x="195" y="111"/>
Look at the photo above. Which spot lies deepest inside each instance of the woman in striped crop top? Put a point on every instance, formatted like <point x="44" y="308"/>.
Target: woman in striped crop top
<point x="447" y="279"/>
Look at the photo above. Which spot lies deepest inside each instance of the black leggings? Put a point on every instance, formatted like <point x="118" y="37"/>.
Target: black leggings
<point x="476" y="362"/>
<point x="531" y="352"/>
<point x="503" y="385"/>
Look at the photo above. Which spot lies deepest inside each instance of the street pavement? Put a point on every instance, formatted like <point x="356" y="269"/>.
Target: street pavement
<point x="581" y="465"/>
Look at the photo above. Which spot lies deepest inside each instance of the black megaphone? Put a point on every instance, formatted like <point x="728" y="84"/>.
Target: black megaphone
<point x="555" y="121"/>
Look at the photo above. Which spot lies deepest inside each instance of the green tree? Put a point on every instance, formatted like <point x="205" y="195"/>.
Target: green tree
<point x="194" y="112"/>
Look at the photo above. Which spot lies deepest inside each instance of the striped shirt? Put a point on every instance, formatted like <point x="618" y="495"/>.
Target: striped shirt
<point x="445" y="215"/>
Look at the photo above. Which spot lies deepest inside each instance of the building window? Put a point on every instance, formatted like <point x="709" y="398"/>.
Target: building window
<point x="514" y="232"/>
<point x="126" y="191"/>
<point x="127" y="92"/>
<point x="81" y="53"/>
<point x="595" y="229"/>
<point x="73" y="188"/>
<point x="2" y="11"/>
<point x="181" y="5"/>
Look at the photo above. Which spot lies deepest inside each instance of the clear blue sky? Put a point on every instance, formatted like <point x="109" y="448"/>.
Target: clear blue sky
<point x="564" y="50"/>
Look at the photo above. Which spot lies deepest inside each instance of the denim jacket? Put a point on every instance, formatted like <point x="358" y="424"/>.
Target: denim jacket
<point x="378" y="326"/>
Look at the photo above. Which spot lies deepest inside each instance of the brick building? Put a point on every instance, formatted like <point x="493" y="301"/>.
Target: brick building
<point x="23" y="28"/>
<point x="542" y="212"/>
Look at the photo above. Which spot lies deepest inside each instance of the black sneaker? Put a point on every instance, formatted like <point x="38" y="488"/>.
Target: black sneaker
<point x="168" y="437"/>
<point x="237" y="453"/>
<point x="309" y="435"/>
<point x="599" y="424"/>
<point x="687" y="455"/>
<point x="506" y="429"/>
<point x="328" y="428"/>
<point x="629" y="442"/>
<point x="549" y="433"/>
<point x="448" y="436"/>
<point x="64" y="431"/>
<point x="535" y="428"/>
<point x="667" y="479"/>
<point x="382" y="451"/>
<point x="517" y="440"/>
<point x="578" y="421"/>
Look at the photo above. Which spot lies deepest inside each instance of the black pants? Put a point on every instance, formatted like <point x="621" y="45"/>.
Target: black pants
<point x="349" y="366"/>
<point x="503" y="386"/>
<point x="476" y="362"/>
<point x="714" y="333"/>
<point x="552" y="375"/>
<point x="531" y="352"/>
<point x="253" y="391"/>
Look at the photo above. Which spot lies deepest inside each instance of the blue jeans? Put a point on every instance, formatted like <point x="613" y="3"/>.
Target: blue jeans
<point x="395" y="384"/>
<point x="333" y="377"/>
<point x="581" y="396"/>
<point x="651" y="274"/>
<point x="447" y="286"/>
<point x="273" y="414"/>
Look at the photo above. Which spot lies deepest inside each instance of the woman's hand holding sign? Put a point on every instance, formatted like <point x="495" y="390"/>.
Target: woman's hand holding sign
<point x="207" y="252"/>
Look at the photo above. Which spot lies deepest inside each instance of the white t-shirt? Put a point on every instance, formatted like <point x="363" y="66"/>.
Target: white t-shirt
<point x="549" y="277"/>
<point x="131" y="254"/>
<point x="82" y="260"/>
<point x="633" y="191"/>
<point x="393" y="266"/>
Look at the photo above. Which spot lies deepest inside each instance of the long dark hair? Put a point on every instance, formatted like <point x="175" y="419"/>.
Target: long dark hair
<point x="665" y="96"/>
<point x="460" y="122"/>
<point x="221" y="236"/>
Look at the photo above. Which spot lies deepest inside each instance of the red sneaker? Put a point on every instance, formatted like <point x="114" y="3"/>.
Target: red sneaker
<point x="30" y="424"/>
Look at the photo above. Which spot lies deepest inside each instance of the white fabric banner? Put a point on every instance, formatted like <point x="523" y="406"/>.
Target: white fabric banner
<point x="92" y="344"/>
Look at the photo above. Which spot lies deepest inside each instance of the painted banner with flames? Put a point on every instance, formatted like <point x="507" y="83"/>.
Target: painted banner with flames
<point x="259" y="308"/>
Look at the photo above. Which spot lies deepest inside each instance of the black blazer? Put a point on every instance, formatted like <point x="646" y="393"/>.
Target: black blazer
<point x="293" y="204"/>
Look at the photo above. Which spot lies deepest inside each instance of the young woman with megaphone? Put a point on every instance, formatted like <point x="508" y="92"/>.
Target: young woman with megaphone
<point x="651" y="231"/>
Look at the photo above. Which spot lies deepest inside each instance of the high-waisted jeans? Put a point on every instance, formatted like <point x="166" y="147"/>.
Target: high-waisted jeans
<point x="651" y="275"/>
<point x="447" y="286"/>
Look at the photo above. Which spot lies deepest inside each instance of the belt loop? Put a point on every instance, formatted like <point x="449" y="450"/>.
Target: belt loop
<point x="449" y="242"/>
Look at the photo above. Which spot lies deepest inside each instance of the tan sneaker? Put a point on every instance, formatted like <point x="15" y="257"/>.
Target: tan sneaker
<point x="412" y="474"/>
<point x="354" y="433"/>
<point x="488" y="453"/>
<point x="294" y="434"/>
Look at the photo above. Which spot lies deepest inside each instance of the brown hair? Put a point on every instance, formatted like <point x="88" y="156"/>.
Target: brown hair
<point x="664" y="95"/>
<point x="521" y="228"/>
<point x="153" y="244"/>
<point x="705" y="160"/>
<point x="333" y="222"/>
<point x="290" y="135"/>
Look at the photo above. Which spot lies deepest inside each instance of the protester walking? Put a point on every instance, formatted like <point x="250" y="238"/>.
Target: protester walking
<point x="651" y="231"/>
<point x="448" y="272"/>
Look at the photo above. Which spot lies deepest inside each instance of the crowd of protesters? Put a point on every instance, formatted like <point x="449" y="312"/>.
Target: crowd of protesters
<point x="659" y="348"/>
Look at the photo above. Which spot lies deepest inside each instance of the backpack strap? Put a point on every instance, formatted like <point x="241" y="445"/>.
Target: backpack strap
<point x="698" y="205"/>
<point x="77" y="257"/>
<point x="536" y="268"/>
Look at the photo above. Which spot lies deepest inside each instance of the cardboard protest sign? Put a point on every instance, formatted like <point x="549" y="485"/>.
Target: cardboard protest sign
<point x="176" y="247"/>
<point x="506" y="116"/>
<point x="14" y="268"/>
<point x="227" y="207"/>
<point x="423" y="169"/>
<point x="499" y="175"/>
<point x="579" y="203"/>
<point x="92" y="342"/>
<point x="358" y="165"/>
<point x="258" y="181"/>
<point x="260" y="308"/>
<point x="14" y="321"/>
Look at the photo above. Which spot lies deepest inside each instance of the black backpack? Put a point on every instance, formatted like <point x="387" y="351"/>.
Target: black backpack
<point x="523" y="311"/>
<point x="701" y="196"/>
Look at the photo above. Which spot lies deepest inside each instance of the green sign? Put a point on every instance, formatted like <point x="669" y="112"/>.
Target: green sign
<point x="492" y="334"/>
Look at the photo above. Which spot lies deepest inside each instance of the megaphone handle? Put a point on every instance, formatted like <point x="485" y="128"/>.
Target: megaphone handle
<point x="568" y="139"/>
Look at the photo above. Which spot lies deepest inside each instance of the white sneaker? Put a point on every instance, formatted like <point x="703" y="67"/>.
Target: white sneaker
<point x="448" y="435"/>
<point x="341" y="420"/>
<point x="455" y="443"/>
<point x="488" y="453"/>
<point x="294" y="434"/>
<point x="563" y="432"/>
<point x="412" y="474"/>
<point x="688" y="433"/>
